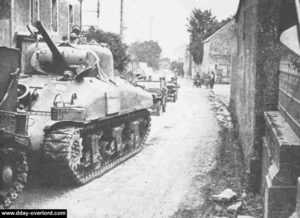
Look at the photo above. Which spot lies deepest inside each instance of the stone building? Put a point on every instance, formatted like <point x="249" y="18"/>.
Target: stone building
<point x="265" y="100"/>
<point x="217" y="53"/>
<point x="58" y="17"/>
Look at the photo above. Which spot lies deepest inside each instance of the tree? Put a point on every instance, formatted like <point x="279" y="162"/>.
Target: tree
<point x="115" y="44"/>
<point x="202" y="24"/>
<point x="147" y="51"/>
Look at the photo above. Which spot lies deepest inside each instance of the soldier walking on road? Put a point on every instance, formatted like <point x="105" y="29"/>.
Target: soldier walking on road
<point x="212" y="80"/>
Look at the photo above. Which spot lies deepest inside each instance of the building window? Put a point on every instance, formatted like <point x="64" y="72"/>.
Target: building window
<point x="54" y="15"/>
<point x="35" y="15"/>
<point x="71" y="17"/>
<point x="5" y="9"/>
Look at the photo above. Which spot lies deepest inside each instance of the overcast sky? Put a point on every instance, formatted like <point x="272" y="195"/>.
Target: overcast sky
<point x="160" y="20"/>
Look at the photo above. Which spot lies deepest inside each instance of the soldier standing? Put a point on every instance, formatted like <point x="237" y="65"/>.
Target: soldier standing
<point x="212" y="80"/>
<point x="74" y="38"/>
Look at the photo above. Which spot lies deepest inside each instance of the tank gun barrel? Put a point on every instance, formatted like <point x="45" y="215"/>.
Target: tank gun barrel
<point x="58" y="59"/>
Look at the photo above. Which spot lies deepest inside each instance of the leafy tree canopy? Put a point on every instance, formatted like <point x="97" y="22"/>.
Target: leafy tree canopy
<point x="201" y="25"/>
<point x="115" y="44"/>
<point x="147" y="51"/>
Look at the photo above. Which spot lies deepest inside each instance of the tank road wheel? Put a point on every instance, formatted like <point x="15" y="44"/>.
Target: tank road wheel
<point x="109" y="149"/>
<point x="145" y="126"/>
<point x="69" y="148"/>
<point x="75" y="149"/>
<point x="13" y="178"/>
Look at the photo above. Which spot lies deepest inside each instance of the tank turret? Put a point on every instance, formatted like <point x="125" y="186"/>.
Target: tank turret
<point x="67" y="113"/>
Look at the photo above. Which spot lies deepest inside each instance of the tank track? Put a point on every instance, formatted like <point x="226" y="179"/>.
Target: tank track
<point x="57" y="148"/>
<point x="20" y="173"/>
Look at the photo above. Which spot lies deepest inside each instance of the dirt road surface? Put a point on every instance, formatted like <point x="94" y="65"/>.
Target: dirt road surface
<point x="165" y="177"/>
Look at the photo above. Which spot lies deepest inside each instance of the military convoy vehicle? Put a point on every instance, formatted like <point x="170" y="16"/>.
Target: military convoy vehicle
<point x="66" y="115"/>
<point x="173" y="87"/>
<point x="172" y="93"/>
<point x="159" y="93"/>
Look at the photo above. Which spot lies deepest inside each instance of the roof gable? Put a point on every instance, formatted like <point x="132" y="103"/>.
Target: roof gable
<point x="218" y="31"/>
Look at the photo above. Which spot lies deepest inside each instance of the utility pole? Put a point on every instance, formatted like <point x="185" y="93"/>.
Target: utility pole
<point x="98" y="13"/>
<point x="121" y="19"/>
<point x="150" y="27"/>
<point x="80" y="2"/>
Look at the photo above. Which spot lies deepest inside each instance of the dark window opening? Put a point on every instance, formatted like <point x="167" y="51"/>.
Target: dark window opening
<point x="5" y="9"/>
<point x="34" y="11"/>
<point x="71" y="17"/>
<point x="54" y="15"/>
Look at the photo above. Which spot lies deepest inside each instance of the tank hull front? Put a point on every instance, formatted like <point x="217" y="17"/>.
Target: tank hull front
<point x="98" y="100"/>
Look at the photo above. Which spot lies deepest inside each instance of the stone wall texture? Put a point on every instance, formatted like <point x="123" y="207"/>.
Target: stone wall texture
<point x="218" y="50"/>
<point x="14" y="23"/>
<point x="243" y="85"/>
<point x="281" y="163"/>
<point x="265" y="100"/>
<point x="255" y="78"/>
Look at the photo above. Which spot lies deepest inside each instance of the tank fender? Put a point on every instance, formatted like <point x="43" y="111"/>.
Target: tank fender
<point x="55" y="124"/>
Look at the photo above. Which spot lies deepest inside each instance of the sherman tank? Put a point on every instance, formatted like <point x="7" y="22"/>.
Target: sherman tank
<point x="67" y="116"/>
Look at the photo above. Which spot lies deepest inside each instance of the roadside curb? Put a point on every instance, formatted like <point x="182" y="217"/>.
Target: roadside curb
<point x="251" y="204"/>
<point x="221" y="109"/>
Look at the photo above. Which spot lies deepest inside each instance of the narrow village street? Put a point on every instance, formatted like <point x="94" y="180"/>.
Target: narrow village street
<point x="166" y="176"/>
<point x="150" y="109"/>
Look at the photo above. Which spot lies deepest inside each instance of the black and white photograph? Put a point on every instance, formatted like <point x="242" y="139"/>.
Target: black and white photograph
<point x="150" y="108"/>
